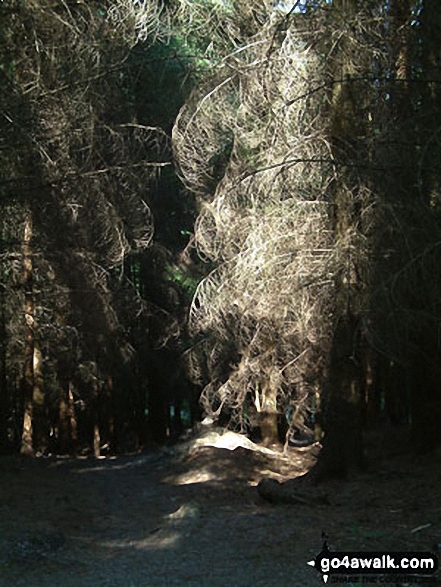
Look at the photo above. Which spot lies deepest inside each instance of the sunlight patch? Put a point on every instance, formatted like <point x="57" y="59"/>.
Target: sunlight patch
<point x="199" y="476"/>
<point x="231" y="440"/>
<point x="155" y="541"/>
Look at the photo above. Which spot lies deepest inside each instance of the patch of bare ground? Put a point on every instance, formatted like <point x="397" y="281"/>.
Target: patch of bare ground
<point x="192" y="516"/>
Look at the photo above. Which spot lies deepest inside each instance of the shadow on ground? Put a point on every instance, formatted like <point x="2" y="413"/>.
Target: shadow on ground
<point x="193" y="517"/>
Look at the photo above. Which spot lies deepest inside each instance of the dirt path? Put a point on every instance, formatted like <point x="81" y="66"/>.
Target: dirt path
<point x="196" y="519"/>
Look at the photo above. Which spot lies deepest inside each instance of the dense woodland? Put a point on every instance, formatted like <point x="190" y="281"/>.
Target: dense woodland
<point x="224" y="209"/>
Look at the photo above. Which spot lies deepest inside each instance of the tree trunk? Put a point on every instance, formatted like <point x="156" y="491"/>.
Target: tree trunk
<point x="158" y="414"/>
<point x="431" y="21"/>
<point x="40" y="418"/>
<point x="161" y="370"/>
<point x="109" y="413"/>
<point x="34" y="434"/>
<point x="342" y="407"/>
<point x="27" y="447"/>
<point x="140" y="405"/>
<point x="418" y="191"/>
<point x="67" y="424"/>
<point x="424" y="367"/>
<point x="343" y="394"/>
<point x="96" y="442"/>
<point x="268" y="415"/>
<point x="4" y="392"/>
<point x="426" y="410"/>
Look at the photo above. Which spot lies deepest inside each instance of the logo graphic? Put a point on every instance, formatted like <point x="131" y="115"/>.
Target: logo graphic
<point x="329" y="563"/>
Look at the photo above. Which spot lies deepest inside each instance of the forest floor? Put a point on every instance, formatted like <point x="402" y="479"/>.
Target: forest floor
<point x="192" y="516"/>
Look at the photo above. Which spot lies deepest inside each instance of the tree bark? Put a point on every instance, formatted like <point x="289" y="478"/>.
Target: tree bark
<point x="424" y="367"/>
<point x="343" y="396"/>
<point x="34" y="433"/>
<point x="4" y="392"/>
<point x="269" y="415"/>
<point x="67" y="424"/>
<point x="342" y="406"/>
<point x="158" y="370"/>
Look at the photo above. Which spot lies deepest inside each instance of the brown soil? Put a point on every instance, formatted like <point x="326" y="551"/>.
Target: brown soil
<point x="194" y="517"/>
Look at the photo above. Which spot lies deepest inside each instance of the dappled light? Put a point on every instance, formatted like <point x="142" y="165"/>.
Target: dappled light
<point x="156" y="543"/>
<point x="220" y="292"/>
<point x="154" y="522"/>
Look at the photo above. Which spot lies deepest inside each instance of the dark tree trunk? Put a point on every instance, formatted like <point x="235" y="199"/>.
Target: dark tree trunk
<point x="163" y="370"/>
<point x="426" y="400"/>
<point x="342" y="404"/>
<point x="371" y="387"/>
<point x="140" y="406"/>
<point x="177" y="419"/>
<point x="342" y="407"/>
<point x="158" y="372"/>
<point x="67" y="425"/>
<point x="425" y="362"/>
<point x="158" y="416"/>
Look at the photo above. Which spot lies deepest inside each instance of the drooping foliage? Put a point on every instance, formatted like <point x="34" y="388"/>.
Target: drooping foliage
<point x="266" y="226"/>
<point x="78" y="175"/>
<point x="309" y="151"/>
